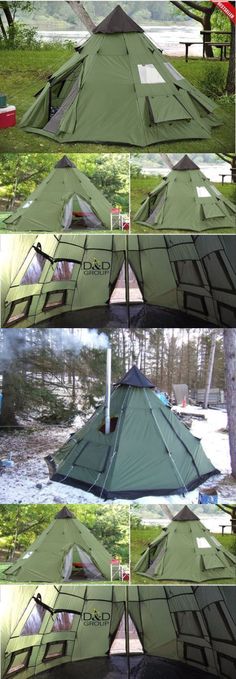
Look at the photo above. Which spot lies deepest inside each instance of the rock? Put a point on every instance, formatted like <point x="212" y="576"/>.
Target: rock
<point x="58" y="500"/>
<point x="39" y="486"/>
<point x="49" y="483"/>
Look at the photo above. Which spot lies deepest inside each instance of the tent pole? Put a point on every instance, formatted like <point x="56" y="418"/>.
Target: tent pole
<point x="108" y="393"/>
<point x="127" y="632"/>
<point x="127" y="280"/>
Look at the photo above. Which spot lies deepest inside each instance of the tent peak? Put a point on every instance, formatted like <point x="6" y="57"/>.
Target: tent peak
<point x="118" y="22"/>
<point x="65" y="513"/>
<point x="135" y="378"/>
<point x="64" y="162"/>
<point x="185" y="164"/>
<point x="185" y="514"/>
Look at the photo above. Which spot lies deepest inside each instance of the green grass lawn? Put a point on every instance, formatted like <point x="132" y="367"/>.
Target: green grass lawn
<point x="24" y="72"/>
<point x="142" y="185"/>
<point x="142" y="536"/>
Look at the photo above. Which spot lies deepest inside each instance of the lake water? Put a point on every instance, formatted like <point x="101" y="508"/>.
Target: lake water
<point x="165" y="37"/>
<point x="212" y="172"/>
<point x="212" y="522"/>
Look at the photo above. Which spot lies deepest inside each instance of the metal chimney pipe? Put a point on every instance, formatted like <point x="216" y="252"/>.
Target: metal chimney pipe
<point x="108" y="393"/>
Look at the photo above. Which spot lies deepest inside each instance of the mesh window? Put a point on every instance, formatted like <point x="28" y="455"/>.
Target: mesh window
<point x="34" y="621"/>
<point x="188" y="272"/>
<point x="187" y="623"/>
<point x="63" y="271"/>
<point x="195" y="303"/>
<point x="217" y="622"/>
<point x="19" y="661"/>
<point x="54" y="300"/>
<point x="195" y="654"/>
<point x="33" y="273"/>
<point x="19" y="310"/>
<point x="217" y="272"/>
<point x="172" y="70"/>
<point x="227" y="666"/>
<point x="55" y="650"/>
<point x="63" y="621"/>
<point x="202" y="192"/>
<point x="227" y="315"/>
<point x="149" y="74"/>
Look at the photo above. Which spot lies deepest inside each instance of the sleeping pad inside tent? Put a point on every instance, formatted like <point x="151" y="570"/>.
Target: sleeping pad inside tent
<point x="66" y="550"/>
<point x="119" y="88"/>
<point x="65" y="199"/>
<point x="147" y="632"/>
<point x="186" y="200"/>
<point x="148" y="450"/>
<point x="162" y="279"/>
<point x="186" y="551"/>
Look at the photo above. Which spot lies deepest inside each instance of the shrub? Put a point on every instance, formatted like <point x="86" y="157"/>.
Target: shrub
<point x="20" y="36"/>
<point x="213" y="81"/>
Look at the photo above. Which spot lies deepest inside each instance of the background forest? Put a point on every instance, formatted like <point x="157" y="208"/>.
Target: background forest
<point x="20" y="525"/>
<point x="62" y="16"/>
<point x="53" y="375"/>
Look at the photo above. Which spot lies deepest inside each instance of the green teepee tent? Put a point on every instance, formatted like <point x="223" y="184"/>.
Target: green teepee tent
<point x="193" y="278"/>
<point x="186" y="551"/>
<point x="119" y="88"/>
<point x="187" y="201"/>
<point x="147" y="452"/>
<point x="70" y="631"/>
<point x="65" y="550"/>
<point x="66" y="199"/>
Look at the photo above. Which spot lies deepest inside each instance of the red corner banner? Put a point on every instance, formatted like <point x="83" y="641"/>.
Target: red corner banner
<point x="227" y="8"/>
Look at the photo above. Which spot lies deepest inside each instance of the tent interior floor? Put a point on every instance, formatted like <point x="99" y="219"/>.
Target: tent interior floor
<point x="117" y="666"/>
<point x="117" y="315"/>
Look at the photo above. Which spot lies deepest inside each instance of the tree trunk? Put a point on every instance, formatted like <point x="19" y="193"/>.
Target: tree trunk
<point x="210" y="369"/>
<point x="7" y="415"/>
<point x="207" y="27"/>
<point x="81" y="12"/>
<point x="2" y="29"/>
<point x="230" y="84"/>
<point x="230" y="371"/>
<point x="7" y="12"/>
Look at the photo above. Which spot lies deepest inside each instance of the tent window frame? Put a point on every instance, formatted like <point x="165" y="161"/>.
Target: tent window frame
<point x="10" y="672"/>
<point x="55" y="305"/>
<point x="220" y="306"/>
<point x="222" y="264"/>
<point x="187" y="647"/>
<point x="196" y="621"/>
<point x="149" y="75"/>
<point x="63" y="262"/>
<point x="23" y="315"/>
<point x="67" y="626"/>
<point x="195" y="265"/>
<point x="40" y="260"/>
<point x="226" y="624"/>
<point x="227" y="657"/>
<point x="41" y="612"/>
<point x="198" y="297"/>
<point x="54" y="656"/>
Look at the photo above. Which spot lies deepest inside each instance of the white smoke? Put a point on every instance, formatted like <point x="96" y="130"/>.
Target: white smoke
<point x="16" y="344"/>
<point x="91" y="339"/>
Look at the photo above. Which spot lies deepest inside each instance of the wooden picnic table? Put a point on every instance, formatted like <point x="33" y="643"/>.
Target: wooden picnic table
<point x="223" y="177"/>
<point x="221" y="45"/>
